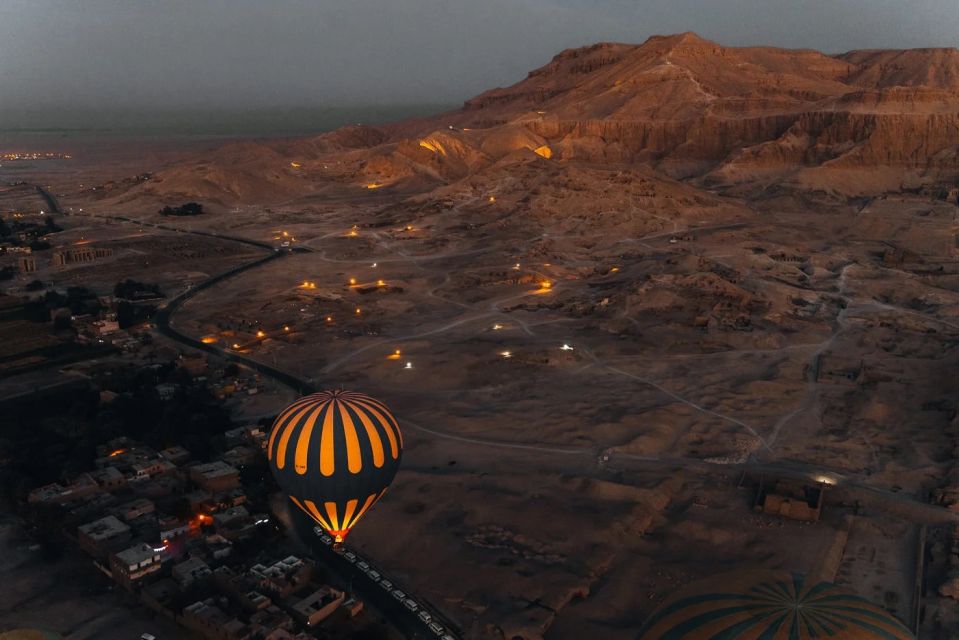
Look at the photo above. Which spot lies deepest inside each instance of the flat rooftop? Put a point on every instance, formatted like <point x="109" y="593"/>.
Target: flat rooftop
<point x="215" y="469"/>
<point x="104" y="528"/>
<point x="136" y="554"/>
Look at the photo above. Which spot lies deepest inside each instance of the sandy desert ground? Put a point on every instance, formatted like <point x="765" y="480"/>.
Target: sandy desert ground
<point x="595" y="354"/>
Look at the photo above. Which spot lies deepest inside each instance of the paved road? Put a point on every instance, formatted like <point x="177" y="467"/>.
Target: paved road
<point x="165" y="313"/>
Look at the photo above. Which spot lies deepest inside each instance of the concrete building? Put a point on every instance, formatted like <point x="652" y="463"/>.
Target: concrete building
<point x="231" y="516"/>
<point x="318" y="606"/>
<point x="207" y="619"/>
<point x="104" y="327"/>
<point x="353" y="606"/>
<point x="790" y="500"/>
<point x="218" y="547"/>
<point x="100" y="537"/>
<point x="134" y="564"/>
<point x="149" y="468"/>
<point x="240" y="456"/>
<point x="227" y="499"/>
<point x="283" y="577"/>
<point x="175" y="455"/>
<point x="272" y="623"/>
<point x="78" y="254"/>
<point x="83" y="486"/>
<point x="215" y="476"/>
<point x="109" y="479"/>
<point x="237" y="436"/>
<point x="92" y="507"/>
<point x="255" y="601"/>
<point x="161" y="595"/>
<point x="27" y="264"/>
<point x="134" y="509"/>
<point x="190" y="571"/>
<point x="172" y="528"/>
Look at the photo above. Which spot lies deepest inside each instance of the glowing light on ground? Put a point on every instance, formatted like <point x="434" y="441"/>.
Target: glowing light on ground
<point x="409" y="365"/>
<point x="566" y="347"/>
<point x="373" y="185"/>
<point x="543" y="151"/>
<point x="261" y="334"/>
<point x="497" y="327"/>
<point x="208" y="339"/>
<point x="295" y="165"/>
<point x="394" y="356"/>
<point x="506" y="354"/>
<point x="381" y="283"/>
<point x="544" y="287"/>
<point x="433" y="145"/>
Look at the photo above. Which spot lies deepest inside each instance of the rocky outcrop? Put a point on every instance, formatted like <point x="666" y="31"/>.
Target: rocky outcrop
<point x="860" y="123"/>
<point x="695" y="108"/>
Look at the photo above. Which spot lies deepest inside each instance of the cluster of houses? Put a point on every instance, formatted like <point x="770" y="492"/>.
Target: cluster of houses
<point x="177" y="533"/>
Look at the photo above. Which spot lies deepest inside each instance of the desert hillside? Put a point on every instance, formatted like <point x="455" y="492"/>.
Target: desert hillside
<point x="860" y="123"/>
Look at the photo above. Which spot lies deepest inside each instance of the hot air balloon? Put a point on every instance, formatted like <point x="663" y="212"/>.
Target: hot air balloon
<point x="334" y="453"/>
<point x="772" y="606"/>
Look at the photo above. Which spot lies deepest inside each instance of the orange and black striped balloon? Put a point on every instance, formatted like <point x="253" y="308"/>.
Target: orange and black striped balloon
<point x="335" y="453"/>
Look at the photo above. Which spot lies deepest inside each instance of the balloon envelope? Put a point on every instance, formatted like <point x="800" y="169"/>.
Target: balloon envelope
<point x="770" y="606"/>
<point x="335" y="453"/>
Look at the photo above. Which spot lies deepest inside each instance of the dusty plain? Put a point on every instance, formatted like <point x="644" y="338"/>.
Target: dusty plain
<point x="594" y="360"/>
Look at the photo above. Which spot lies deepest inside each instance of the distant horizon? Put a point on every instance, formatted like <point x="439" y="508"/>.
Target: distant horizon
<point x="247" y="120"/>
<point x="216" y="53"/>
<point x="209" y="120"/>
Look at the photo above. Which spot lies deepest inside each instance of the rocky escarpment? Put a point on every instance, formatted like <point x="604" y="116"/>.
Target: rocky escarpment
<point x="694" y="108"/>
<point x="864" y="122"/>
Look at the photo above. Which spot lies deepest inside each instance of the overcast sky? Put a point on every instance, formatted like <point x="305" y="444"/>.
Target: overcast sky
<point x="333" y="52"/>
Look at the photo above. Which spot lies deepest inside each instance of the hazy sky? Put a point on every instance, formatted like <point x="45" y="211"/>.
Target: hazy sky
<point x="307" y="52"/>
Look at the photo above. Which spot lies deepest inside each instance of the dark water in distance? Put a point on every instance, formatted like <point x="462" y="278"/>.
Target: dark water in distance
<point x="206" y="123"/>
